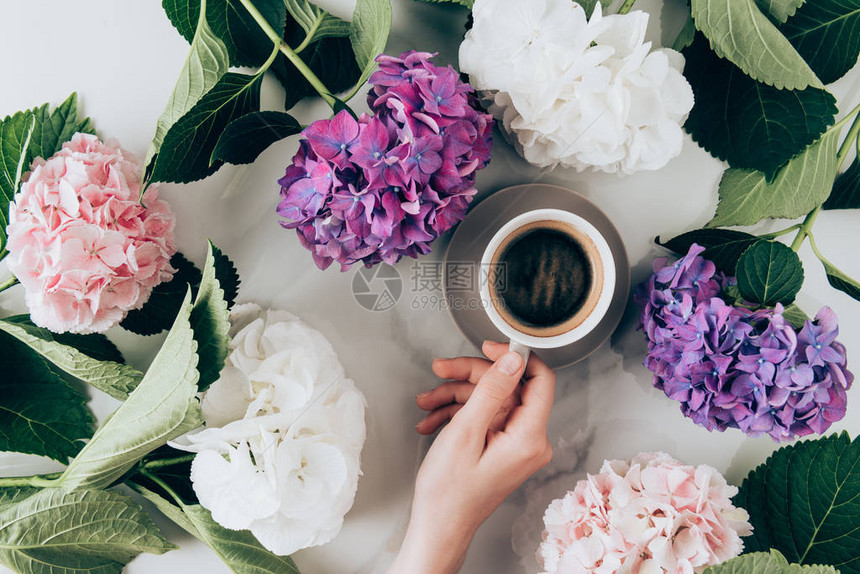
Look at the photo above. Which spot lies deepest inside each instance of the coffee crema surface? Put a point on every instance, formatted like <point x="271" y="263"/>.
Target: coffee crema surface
<point x="547" y="282"/>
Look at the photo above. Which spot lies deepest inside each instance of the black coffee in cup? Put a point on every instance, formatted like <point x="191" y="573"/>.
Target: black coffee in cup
<point x="547" y="278"/>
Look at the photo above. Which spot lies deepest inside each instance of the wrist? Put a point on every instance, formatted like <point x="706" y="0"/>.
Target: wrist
<point x="432" y="550"/>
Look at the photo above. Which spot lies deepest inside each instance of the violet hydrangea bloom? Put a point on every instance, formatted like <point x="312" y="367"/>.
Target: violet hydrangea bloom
<point x="731" y="367"/>
<point x="385" y="185"/>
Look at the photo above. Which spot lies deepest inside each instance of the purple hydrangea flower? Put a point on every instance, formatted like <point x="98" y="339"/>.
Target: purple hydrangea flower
<point x="386" y="185"/>
<point x="731" y="367"/>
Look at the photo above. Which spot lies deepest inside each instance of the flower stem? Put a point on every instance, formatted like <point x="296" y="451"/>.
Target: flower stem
<point x="781" y="232"/>
<point x="3" y="253"/>
<point x="625" y="8"/>
<point x="11" y="282"/>
<point x="39" y="480"/>
<point x="294" y="58"/>
<point x="805" y="229"/>
<point x="163" y="462"/>
<point x="164" y="486"/>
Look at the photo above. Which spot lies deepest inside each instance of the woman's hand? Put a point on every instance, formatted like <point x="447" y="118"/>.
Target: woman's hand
<point x="495" y="440"/>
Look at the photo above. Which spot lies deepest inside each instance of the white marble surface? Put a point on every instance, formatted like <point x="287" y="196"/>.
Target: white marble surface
<point x="123" y="58"/>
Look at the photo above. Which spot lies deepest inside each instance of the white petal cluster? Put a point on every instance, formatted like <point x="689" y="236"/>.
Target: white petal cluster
<point x="279" y="455"/>
<point x="576" y="91"/>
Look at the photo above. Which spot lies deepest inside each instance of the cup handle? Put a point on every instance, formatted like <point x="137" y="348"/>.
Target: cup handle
<point x="520" y="349"/>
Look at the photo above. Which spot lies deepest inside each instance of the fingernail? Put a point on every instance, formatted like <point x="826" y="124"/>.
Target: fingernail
<point x="422" y="395"/>
<point x="420" y="424"/>
<point x="509" y="363"/>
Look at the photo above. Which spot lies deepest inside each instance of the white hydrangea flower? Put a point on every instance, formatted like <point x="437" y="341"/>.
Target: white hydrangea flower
<point x="280" y="453"/>
<point x="577" y="92"/>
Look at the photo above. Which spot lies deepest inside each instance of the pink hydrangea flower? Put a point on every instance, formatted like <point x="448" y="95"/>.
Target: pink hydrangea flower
<point x="650" y="515"/>
<point x="86" y="251"/>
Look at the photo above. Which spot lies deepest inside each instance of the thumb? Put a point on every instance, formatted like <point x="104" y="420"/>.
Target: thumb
<point x="493" y="388"/>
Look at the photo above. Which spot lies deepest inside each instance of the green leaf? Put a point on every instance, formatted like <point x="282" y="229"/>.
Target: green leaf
<point x="90" y="531"/>
<point x="39" y="413"/>
<point x="208" y="60"/>
<point x="243" y="38"/>
<point x="39" y="132"/>
<point x="765" y="563"/>
<point x="55" y="127"/>
<point x="686" y="36"/>
<point x="161" y="408"/>
<point x="802" y="184"/>
<point x="368" y="34"/>
<point x="15" y="494"/>
<point x="331" y="59"/>
<point x="760" y="126"/>
<point x="769" y="272"/>
<point x="239" y="549"/>
<point x="228" y="277"/>
<point x="316" y="22"/>
<point x="739" y="32"/>
<point x="15" y="135"/>
<point x="246" y="138"/>
<point x="70" y="364"/>
<point x="827" y="34"/>
<point x="795" y="315"/>
<point x="469" y="3"/>
<point x="779" y="10"/>
<point x="210" y="321"/>
<point x="187" y="148"/>
<point x="805" y="502"/>
<point x="158" y="313"/>
<point x="846" y="190"/>
<point x="841" y="281"/>
<point x="722" y="246"/>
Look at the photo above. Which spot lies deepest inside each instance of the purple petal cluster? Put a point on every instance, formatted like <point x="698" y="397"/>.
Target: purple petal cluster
<point x="731" y="367"/>
<point x="385" y="185"/>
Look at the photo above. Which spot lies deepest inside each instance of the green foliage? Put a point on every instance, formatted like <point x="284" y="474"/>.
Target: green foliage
<point x="722" y="246"/>
<point x="244" y="40"/>
<point x="331" y="59"/>
<point x="237" y="548"/>
<point x="779" y="10"/>
<point x="368" y="34"/>
<point x="768" y="273"/>
<point x="746" y="196"/>
<point x="827" y="34"/>
<point x="15" y="494"/>
<point x="772" y="562"/>
<point x="846" y="190"/>
<point x="186" y="153"/>
<point x="795" y="315"/>
<point x="805" y="502"/>
<point x="246" y="137"/>
<point x="316" y="22"/>
<point x="685" y="36"/>
<point x="160" y="310"/>
<point x="39" y="413"/>
<point x="210" y="321"/>
<point x="227" y="275"/>
<point x="161" y="408"/>
<point x="70" y="364"/>
<point x="840" y="280"/>
<point x="89" y="531"/>
<point x="741" y="33"/>
<point x="24" y="136"/>
<point x="760" y="126"/>
<point x="207" y="61"/>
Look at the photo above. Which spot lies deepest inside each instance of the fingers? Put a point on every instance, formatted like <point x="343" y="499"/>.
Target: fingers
<point x="461" y="368"/>
<point x="437" y="418"/>
<point x="496" y="385"/>
<point x="537" y="397"/>
<point x="445" y="394"/>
